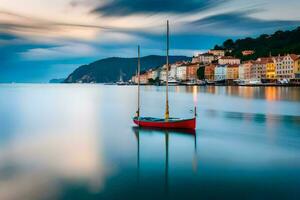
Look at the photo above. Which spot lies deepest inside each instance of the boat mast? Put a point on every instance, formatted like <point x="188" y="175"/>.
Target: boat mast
<point x="139" y="80"/>
<point x="167" y="76"/>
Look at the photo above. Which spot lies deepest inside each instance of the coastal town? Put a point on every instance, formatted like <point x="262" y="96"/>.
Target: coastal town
<point x="215" y="67"/>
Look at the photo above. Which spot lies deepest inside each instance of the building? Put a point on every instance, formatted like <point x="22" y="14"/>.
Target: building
<point x="218" y="53"/>
<point x="206" y="58"/>
<point x="144" y="78"/>
<point x="248" y="52"/>
<point x="258" y="70"/>
<point x="195" y="59"/>
<point x="232" y="72"/>
<point x="153" y="73"/>
<point x="286" y="66"/>
<point x="245" y="70"/>
<point x="181" y="72"/>
<point x="163" y="74"/>
<point x="270" y="68"/>
<point x="209" y="72"/>
<point x="229" y="60"/>
<point x="220" y="72"/>
<point x="297" y="68"/>
<point x="191" y="71"/>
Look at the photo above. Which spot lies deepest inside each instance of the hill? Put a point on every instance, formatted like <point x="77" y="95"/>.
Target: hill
<point x="57" y="80"/>
<point x="108" y="69"/>
<point x="280" y="42"/>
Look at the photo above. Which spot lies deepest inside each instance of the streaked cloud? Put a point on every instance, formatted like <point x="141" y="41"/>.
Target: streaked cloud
<point x="73" y="50"/>
<point x="240" y="23"/>
<point x="131" y="7"/>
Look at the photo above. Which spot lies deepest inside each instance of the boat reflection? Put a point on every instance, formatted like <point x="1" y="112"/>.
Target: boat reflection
<point x="138" y="131"/>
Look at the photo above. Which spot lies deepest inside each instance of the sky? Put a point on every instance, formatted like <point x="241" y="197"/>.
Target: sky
<point x="41" y="40"/>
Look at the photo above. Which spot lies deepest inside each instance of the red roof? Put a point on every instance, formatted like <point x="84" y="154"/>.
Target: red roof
<point x="294" y="57"/>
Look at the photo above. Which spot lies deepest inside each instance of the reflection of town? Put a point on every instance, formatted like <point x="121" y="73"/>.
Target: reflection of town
<point x="268" y="93"/>
<point x="214" y="67"/>
<point x="138" y="131"/>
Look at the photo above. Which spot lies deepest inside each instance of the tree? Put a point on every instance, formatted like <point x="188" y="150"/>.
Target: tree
<point x="201" y="73"/>
<point x="228" y="44"/>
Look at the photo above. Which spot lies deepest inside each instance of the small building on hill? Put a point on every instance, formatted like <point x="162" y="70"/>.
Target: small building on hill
<point x="229" y="60"/>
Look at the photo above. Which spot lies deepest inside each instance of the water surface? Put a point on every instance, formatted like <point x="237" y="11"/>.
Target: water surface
<point x="79" y="142"/>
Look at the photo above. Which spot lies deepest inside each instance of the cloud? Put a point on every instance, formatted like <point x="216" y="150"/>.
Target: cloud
<point x="70" y="51"/>
<point x="129" y="7"/>
<point x="239" y="24"/>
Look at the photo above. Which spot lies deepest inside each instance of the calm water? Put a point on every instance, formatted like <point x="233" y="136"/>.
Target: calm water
<point x="78" y="142"/>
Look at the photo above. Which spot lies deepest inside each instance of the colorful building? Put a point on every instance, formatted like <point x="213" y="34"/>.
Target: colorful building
<point x="220" y="72"/>
<point x="258" y="70"/>
<point x="245" y="70"/>
<point x="297" y="68"/>
<point x="232" y="72"/>
<point x="209" y="72"/>
<point x="270" y="68"/>
<point x="287" y="66"/>
<point x="229" y="60"/>
<point x="191" y="71"/>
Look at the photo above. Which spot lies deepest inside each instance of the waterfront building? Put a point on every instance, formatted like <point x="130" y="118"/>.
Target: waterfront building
<point x="191" y="71"/>
<point x="297" y="68"/>
<point x="232" y="72"/>
<point x="181" y="72"/>
<point x="163" y="74"/>
<point x="286" y="66"/>
<point x="144" y="78"/>
<point x="209" y="72"/>
<point x="220" y="72"/>
<point x="245" y="70"/>
<point x="258" y="70"/>
<point x="278" y="64"/>
<point x="206" y="58"/>
<point x="218" y="53"/>
<point x="270" y="68"/>
<point x="229" y="60"/>
<point x="153" y="73"/>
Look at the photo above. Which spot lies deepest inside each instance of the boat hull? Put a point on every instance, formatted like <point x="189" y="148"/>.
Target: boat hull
<point x="170" y="124"/>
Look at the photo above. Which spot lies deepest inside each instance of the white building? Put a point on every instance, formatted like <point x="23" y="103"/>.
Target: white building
<point x="206" y="58"/>
<point x="172" y="74"/>
<point x="220" y="72"/>
<point x="181" y="72"/>
<point x="285" y="66"/>
<point x="229" y="60"/>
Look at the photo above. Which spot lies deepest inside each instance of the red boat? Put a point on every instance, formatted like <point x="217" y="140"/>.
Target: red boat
<point x="172" y="123"/>
<point x="167" y="122"/>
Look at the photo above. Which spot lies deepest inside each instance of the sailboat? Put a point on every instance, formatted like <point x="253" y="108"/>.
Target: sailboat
<point x="121" y="82"/>
<point x="167" y="122"/>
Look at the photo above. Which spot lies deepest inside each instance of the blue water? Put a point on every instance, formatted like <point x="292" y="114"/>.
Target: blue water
<point x="79" y="142"/>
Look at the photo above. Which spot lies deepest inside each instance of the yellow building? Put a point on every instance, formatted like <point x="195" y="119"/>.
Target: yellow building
<point x="232" y="72"/>
<point x="297" y="66"/>
<point x="270" y="69"/>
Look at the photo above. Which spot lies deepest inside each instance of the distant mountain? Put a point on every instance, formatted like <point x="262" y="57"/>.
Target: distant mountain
<point x="57" y="80"/>
<point x="109" y="69"/>
<point x="281" y="42"/>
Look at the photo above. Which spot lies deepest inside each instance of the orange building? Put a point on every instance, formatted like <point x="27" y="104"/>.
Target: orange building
<point x="232" y="72"/>
<point x="191" y="71"/>
<point x="210" y="72"/>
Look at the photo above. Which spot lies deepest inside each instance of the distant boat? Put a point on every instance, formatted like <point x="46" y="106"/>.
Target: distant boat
<point x="167" y="122"/>
<point x="121" y="82"/>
